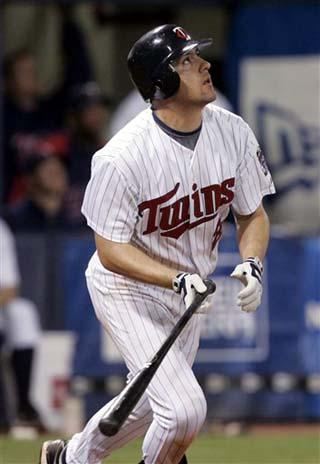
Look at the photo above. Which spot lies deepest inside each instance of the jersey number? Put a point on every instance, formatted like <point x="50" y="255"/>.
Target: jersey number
<point x="217" y="235"/>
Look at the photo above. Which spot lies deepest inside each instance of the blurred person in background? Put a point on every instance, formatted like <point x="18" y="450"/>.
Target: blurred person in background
<point x="42" y="209"/>
<point x="88" y="111"/>
<point x="20" y="333"/>
<point x="28" y="113"/>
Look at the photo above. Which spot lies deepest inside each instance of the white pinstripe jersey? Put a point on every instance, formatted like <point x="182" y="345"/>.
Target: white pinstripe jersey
<point x="168" y="200"/>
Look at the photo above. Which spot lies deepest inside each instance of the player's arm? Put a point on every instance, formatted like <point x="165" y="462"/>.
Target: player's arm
<point x="253" y="233"/>
<point x="117" y="221"/>
<point x="128" y="260"/>
<point x="253" y="182"/>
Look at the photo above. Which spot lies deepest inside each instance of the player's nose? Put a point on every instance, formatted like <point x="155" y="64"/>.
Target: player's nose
<point x="204" y="65"/>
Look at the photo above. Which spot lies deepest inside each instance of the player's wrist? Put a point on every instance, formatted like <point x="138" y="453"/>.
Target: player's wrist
<point x="176" y="282"/>
<point x="256" y="262"/>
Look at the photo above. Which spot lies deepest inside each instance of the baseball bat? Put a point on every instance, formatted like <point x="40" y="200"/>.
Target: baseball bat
<point x="114" y="418"/>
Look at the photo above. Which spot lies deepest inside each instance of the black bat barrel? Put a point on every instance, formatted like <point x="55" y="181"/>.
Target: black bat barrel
<point x="111" y="423"/>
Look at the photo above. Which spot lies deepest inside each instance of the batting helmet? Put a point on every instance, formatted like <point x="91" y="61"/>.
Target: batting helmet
<point x="150" y="58"/>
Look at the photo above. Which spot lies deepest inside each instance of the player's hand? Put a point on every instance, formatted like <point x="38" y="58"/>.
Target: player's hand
<point x="250" y="274"/>
<point x="187" y="285"/>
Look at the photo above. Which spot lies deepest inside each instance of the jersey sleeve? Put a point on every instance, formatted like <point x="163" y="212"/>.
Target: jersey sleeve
<point x="253" y="178"/>
<point x="109" y="204"/>
<point x="9" y="271"/>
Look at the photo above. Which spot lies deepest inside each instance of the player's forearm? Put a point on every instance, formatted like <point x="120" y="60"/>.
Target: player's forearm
<point x="7" y="294"/>
<point x="253" y="234"/>
<point x="127" y="260"/>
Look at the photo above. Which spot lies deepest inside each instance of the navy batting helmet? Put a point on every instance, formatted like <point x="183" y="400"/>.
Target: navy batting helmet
<point x="150" y="58"/>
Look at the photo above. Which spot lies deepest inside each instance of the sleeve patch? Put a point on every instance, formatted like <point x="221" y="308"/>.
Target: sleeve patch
<point x="262" y="161"/>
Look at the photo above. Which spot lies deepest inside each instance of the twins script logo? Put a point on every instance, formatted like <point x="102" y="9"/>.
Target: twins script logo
<point x="174" y="219"/>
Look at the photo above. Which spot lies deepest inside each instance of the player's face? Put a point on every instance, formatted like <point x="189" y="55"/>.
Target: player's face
<point x="195" y="81"/>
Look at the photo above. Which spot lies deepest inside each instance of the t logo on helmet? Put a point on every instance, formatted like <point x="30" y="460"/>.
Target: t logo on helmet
<point x="181" y="33"/>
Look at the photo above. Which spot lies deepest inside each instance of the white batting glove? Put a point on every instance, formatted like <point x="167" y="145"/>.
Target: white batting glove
<point x="188" y="284"/>
<point x="250" y="274"/>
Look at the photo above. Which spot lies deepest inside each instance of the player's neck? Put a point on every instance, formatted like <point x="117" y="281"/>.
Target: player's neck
<point x="180" y="118"/>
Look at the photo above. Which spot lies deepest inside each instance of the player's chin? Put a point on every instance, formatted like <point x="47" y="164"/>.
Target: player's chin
<point x="209" y="96"/>
<point x="209" y="99"/>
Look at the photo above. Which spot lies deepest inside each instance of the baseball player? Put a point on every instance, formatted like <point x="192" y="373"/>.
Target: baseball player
<point x="158" y="194"/>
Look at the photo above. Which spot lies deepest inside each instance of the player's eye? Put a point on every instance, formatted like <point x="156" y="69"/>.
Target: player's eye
<point x="186" y="60"/>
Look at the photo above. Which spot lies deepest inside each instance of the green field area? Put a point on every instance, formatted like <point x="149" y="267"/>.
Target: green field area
<point x="245" y="449"/>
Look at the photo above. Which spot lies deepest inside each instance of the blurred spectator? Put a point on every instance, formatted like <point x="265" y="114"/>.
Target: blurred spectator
<point x="88" y="114"/>
<point x="133" y="103"/>
<point x="46" y="187"/>
<point x="55" y="168"/>
<point x="27" y="113"/>
<point x="88" y="111"/>
<point x="19" y="327"/>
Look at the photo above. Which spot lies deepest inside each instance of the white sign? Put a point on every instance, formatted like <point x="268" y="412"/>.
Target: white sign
<point x="280" y="99"/>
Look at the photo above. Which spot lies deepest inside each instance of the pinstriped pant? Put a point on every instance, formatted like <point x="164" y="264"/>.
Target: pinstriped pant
<point x="173" y="409"/>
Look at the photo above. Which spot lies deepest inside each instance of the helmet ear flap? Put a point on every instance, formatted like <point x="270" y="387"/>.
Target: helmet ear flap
<point x="166" y="84"/>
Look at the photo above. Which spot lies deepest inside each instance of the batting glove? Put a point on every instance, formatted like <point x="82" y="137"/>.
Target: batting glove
<point x="250" y="274"/>
<point x="188" y="285"/>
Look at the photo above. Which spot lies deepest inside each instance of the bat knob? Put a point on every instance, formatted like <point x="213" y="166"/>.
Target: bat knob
<point x="211" y="286"/>
<point x="108" y="427"/>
